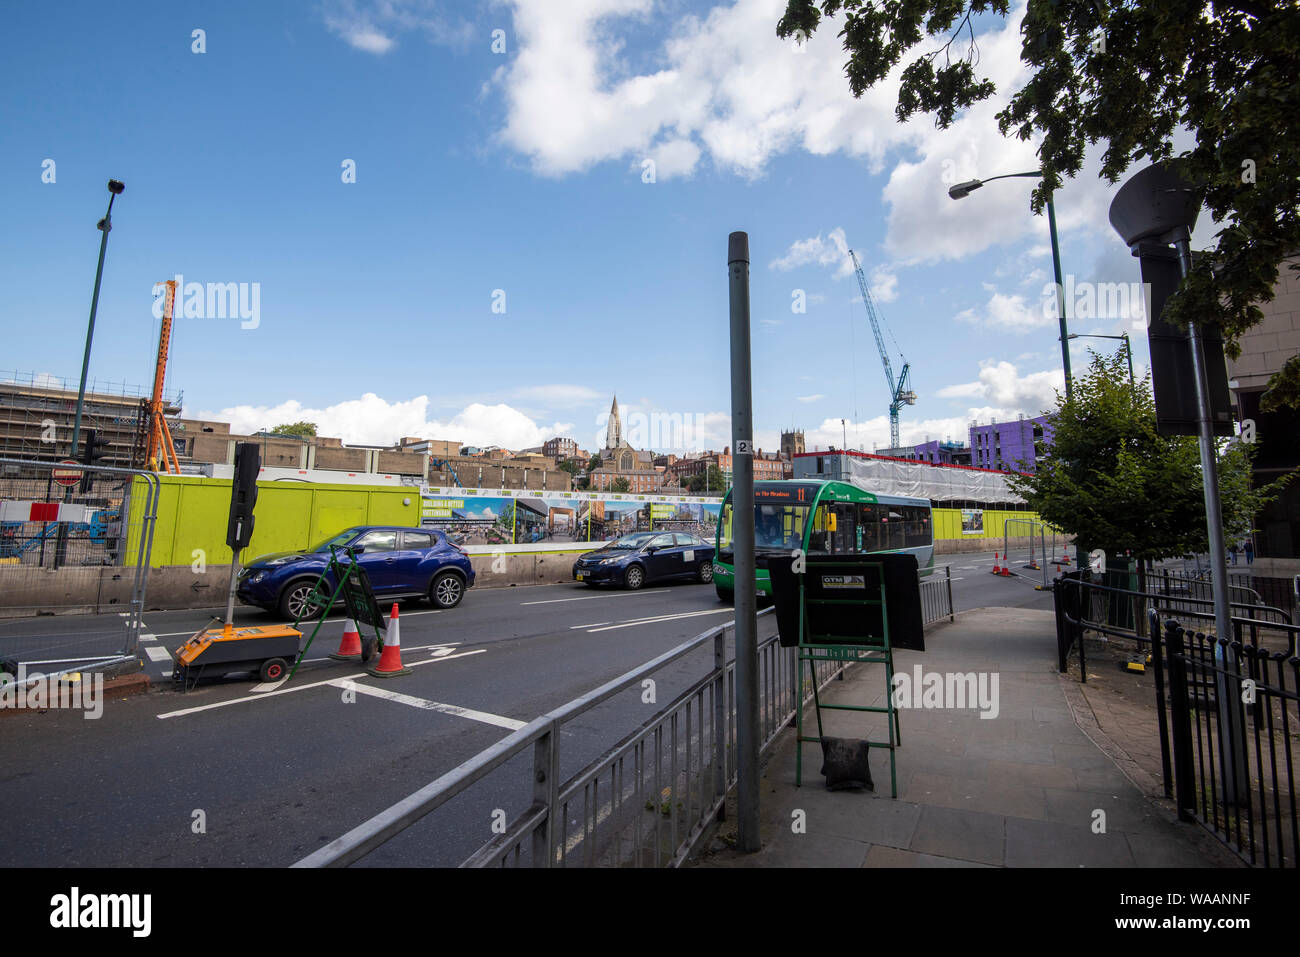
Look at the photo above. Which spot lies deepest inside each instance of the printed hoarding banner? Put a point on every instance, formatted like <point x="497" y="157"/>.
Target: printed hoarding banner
<point x="972" y="521"/>
<point x="524" y="517"/>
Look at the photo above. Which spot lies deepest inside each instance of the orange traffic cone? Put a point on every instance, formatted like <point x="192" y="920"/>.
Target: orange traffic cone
<point x="350" y="646"/>
<point x="1006" y="569"/>
<point x="996" y="569"/>
<point x="390" y="662"/>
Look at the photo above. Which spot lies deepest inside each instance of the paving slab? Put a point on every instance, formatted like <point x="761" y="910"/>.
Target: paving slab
<point x="1017" y="790"/>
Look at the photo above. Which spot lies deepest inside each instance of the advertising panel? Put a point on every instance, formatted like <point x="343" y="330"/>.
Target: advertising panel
<point x="525" y="517"/>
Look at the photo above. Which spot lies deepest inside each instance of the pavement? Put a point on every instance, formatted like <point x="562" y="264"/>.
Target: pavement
<point x="1037" y="783"/>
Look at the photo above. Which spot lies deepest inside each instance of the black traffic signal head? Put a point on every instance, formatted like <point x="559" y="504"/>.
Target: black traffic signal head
<point x="96" y="447"/>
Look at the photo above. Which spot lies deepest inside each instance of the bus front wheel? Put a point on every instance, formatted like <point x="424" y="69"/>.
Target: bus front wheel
<point x="725" y="594"/>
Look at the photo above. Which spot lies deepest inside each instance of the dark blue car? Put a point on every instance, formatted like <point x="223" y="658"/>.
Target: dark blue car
<point x="400" y="563"/>
<point x="644" y="557"/>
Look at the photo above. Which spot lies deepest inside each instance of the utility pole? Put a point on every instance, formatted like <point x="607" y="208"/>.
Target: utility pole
<point x="742" y="499"/>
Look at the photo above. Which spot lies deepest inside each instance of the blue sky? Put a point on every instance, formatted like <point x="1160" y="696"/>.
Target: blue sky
<point x="523" y="172"/>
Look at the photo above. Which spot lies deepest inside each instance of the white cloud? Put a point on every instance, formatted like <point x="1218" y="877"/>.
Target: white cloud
<point x="362" y="38"/>
<point x="1004" y="312"/>
<point x="371" y="25"/>
<point x="831" y="251"/>
<point x="810" y="398"/>
<point x="884" y="284"/>
<point x="725" y="84"/>
<point x="371" y="420"/>
<point x="1006" y="391"/>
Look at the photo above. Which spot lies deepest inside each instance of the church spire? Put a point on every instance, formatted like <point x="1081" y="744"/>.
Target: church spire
<point x="614" y="433"/>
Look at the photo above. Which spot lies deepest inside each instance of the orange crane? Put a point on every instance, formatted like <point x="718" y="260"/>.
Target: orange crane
<point x="161" y="454"/>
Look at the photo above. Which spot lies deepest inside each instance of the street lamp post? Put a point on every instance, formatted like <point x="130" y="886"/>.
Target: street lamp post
<point x="1128" y="348"/>
<point x="962" y="190"/>
<point x="105" y="226"/>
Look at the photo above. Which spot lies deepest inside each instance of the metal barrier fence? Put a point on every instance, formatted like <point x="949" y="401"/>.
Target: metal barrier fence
<point x="648" y="799"/>
<point x="1083" y="606"/>
<point x="1036" y="554"/>
<point x="73" y="539"/>
<point x="1230" y="731"/>
<point x="936" y="597"/>
<point x="1174" y="582"/>
<point x="1242" y="698"/>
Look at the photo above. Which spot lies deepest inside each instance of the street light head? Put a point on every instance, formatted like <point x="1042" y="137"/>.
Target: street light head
<point x="115" y="186"/>
<point x="962" y="190"/>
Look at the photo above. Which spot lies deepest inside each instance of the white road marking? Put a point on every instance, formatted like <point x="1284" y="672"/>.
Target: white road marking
<point x="315" y="684"/>
<point x="592" y="625"/>
<point x="427" y="705"/>
<point x="148" y="637"/>
<point x="627" y="594"/>
<point x="157" y="654"/>
<point x="328" y="621"/>
<point x="266" y="686"/>
<point x="632" y="623"/>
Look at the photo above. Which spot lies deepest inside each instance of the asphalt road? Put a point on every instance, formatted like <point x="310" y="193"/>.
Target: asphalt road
<point x="274" y="772"/>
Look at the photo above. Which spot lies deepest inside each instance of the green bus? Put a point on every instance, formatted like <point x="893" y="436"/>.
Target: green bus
<point x="823" y="518"/>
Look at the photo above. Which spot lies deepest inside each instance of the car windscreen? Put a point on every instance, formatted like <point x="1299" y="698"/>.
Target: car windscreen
<point x="631" y="541"/>
<point x="342" y="538"/>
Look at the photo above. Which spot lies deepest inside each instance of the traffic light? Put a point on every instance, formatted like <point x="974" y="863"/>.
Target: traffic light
<point x="243" y="495"/>
<point x="95" y="449"/>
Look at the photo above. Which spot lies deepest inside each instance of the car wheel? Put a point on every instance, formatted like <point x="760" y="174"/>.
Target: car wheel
<point x="446" y="590"/>
<point x="272" y="669"/>
<point x="293" y="601"/>
<point x="634" y="577"/>
<point x="706" y="572"/>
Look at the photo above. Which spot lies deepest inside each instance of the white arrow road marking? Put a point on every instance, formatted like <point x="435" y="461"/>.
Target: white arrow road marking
<point x="315" y="684"/>
<point x="425" y="704"/>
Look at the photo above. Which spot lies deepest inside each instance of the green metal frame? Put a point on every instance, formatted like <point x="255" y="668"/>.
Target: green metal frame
<point x="354" y="586"/>
<point x="830" y="650"/>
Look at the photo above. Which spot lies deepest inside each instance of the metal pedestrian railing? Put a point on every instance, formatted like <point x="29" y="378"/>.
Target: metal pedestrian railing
<point x="647" y="800"/>
<point x="1234" y="733"/>
<point x="936" y="597"/>
<point x="1227" y="709"/>
<point x="74" y="539"/>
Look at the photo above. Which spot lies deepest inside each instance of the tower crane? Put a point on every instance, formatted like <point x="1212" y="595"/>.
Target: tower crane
<point x="899" y="393"/>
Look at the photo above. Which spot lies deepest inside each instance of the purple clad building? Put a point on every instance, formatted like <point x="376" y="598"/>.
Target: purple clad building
<point x="1010" y="446"/>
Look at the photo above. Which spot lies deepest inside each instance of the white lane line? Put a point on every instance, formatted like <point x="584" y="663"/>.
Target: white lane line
<point x="329" y="621"/>
<point x="629" y="594"/>
<point x="157" y="653"/>
<point x="315" y="684"/>
<point x="592" y="625"/>
<point x="266" y="686"/>
<point x="427" y="705"/>
<point x="148" y="637"/>
<point x="650" y="621"/>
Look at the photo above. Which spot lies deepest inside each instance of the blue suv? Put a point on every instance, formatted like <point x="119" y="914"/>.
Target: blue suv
<point x="400" y="563"/>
